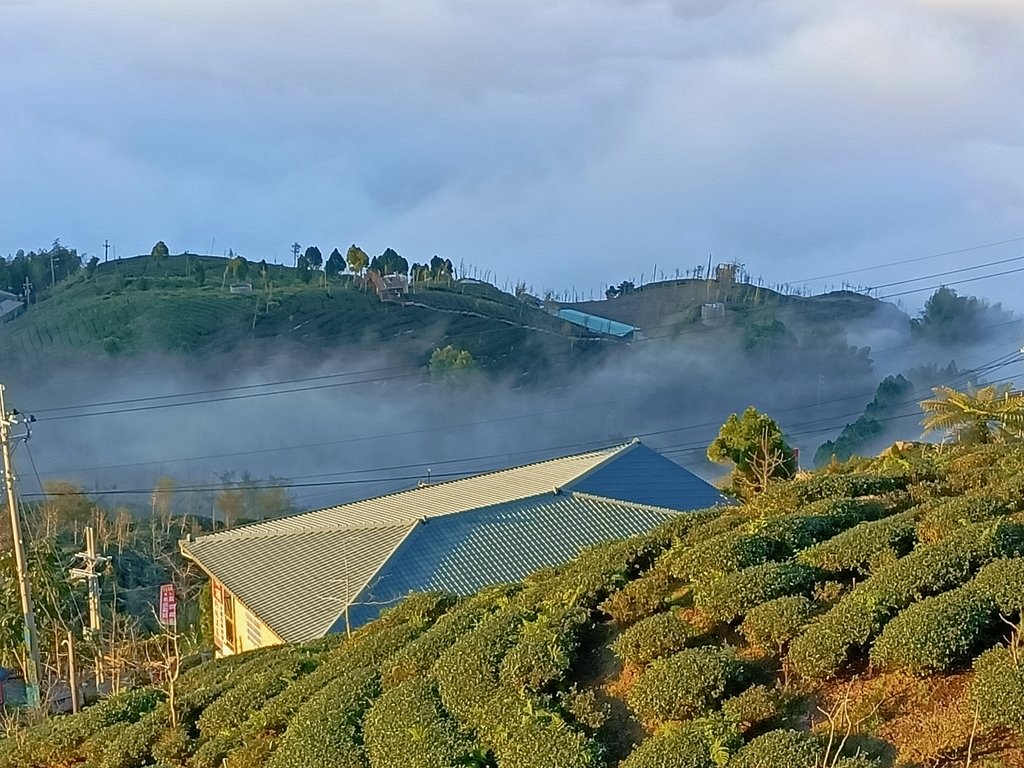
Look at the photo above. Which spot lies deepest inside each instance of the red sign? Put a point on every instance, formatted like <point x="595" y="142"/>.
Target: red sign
<point x="168" y="605"/>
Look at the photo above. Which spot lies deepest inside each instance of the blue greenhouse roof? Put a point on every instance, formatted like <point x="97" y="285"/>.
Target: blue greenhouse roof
<point x="596" y="323"/>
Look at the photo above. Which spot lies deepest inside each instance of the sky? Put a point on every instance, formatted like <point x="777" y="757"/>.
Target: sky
<point x="569" y="144"/>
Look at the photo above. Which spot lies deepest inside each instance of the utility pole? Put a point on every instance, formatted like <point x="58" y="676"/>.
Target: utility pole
<point x="90" y="563"/>
<point x="295" y="253"/>
<point x="31" y="637"/>
<point x="28" y="293"/>
<point x="106" y="247"/>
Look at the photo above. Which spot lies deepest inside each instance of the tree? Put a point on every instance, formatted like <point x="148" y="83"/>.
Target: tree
<point x="357" y="259"/>
<point x="314" y="258"/>
<point x="159" y="252"/>
<point x="90" y="268"/>
<point x="390" y="263"/>
<point x="757" y="449"/>
<point x="239" y="267"/>
<point x="304" y="272"/>
<point x="992" y="414"/>
<point x="450" y="360"/>
<point x="335" y="264"/>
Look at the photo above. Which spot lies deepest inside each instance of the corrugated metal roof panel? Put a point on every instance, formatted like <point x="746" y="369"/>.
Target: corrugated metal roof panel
<point x="434" y="500"/>
<point x="499" y="544"/>
<point x="644" y="476"/>
<point x="298" y="583"/>
<point x="595" y="323"/>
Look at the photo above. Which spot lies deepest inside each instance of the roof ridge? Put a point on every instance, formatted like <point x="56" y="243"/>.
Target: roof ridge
<point x="241" y="534"/>
<point x="613" y="450"/>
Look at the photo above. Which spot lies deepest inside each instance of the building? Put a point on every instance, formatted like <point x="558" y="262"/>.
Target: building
<point x="597" y="324"/>
<point x="300" y="577"/>
<point x="392" y="287"/>
<point x="10" y="306"/>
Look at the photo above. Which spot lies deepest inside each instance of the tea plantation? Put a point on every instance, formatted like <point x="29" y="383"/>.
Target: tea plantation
<point x="866" y="615"/>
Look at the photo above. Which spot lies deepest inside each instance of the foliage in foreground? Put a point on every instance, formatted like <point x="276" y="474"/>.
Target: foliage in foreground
<point x="733" y="626"/>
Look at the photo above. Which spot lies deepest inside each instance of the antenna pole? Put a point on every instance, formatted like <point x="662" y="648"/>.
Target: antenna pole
<point x="32" y="667"/>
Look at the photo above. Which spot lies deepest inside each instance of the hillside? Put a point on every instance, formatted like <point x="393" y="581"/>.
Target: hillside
<point x="135" y="307"/>
<point x="867" y="615"/>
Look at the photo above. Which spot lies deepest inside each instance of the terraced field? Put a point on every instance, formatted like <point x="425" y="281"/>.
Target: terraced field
<point x="136" y="307"/>
<point x="868" y="615"/>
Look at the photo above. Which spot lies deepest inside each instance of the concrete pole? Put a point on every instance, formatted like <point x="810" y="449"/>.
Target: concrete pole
<point x="31" y="636"/>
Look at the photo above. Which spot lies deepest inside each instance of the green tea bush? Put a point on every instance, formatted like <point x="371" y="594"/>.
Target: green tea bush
<point x="724" y="553"/>
<point x="407" y="727"/>
<point x="865" y="544"/>
<point x="679" y="527"/>
<point x="544" y="651"/>
<point x="820" y="521"/>
<point x="780" y="749"/>
<point x="214" y="751"/>
<point x="754" y="706"/>
<point x="856" y="619"/>
<point x="997" y="689"/>
<point x="419" y="608"/>
<point x="373" y="649"/>
<point x="127" y="707"/>
<point x="936" y="633"/>
<point x="730" y="596"/>
<point x="639" y="599"/>
<point x="584" y="708"/>
<point x="418" y="656"/>
<point x="543" y="742"/>
<point x="685" y="685"/>
<point x="852" y="486"/>
<point x="771" y="625"/>
<point x="172" y="747"/>
<point x="943" y="517"/>
<point x="232" y="708"/>
<point x="705" y="743"/>
<point x="1003" y="582"/>
<point x="598" y="572"/>
<point x="132" y="746"/>
<point x="326" y="731"/>
<point x="467" y="672"/>
<point x="656" y="636"/>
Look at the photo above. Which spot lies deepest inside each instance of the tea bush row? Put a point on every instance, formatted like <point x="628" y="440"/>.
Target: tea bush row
<point x="730" y="596"/>
<point x="864" y="545"/>
<point x="853" y="622"/>
<point x="656" y="636"/>
<point x="704" y="743"/>
<point x="407" y="727"/>
<point x="943" y="517"/>
<point x="772" y="625"/>
<point x="686" y="684"/>
<point x="326" y="731"/>
<point x="639" y="599"/>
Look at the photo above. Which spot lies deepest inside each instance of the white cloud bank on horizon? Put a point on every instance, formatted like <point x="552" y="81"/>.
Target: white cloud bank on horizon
<point x="566" y="142"/>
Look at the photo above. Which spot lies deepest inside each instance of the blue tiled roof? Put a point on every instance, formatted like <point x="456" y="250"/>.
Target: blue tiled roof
<point x="503" y="543"/>
<point x="643" y="476"/>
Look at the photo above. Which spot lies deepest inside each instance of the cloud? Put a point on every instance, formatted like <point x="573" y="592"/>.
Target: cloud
<point x="543" y="140"/>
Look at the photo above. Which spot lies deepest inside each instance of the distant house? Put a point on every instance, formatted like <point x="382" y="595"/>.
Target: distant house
<point x="301" y="577"/>
<point x="597" y="324"/>
<point x="10" y="306"/>
<point x="391" y="287"/>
